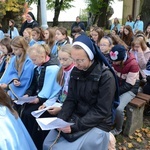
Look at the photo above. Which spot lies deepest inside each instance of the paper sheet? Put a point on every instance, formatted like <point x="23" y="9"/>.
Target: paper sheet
<point x="22" y="100"/>
<point x="52" y="123"/>
<point x="38" y="113"/>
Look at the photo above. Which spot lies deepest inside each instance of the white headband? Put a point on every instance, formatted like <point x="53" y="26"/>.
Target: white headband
<point x="86" y="48"/>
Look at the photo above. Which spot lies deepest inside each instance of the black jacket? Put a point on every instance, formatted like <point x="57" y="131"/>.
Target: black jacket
<point x="90" y="97"/>
<point x="28" y="25"/>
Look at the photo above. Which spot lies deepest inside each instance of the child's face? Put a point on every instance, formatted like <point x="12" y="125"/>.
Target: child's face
<point x="121" y="29"/>
<point x="3" y="49"/>
<point x="17" y="51"/>
<point x="10" y="23"/>
<point x="46" y="34"/>
<point x="95" y="36"/>
<point x="65" y="59"/>
<point x="37" y="59"/>
<point x="148" y="29"/>
<point x="113" y="32"/>
<point x="136" y="47"/>
<point x="25" y="34"/>
<point x="35" y="35"/>
<point x="59" y="36"/>
<point x="104" y="45"/>
<point x="126" y="32"/>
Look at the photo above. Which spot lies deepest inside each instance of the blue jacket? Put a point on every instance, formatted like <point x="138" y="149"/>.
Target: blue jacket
<point x="131" y="24"/>
<point x="25" y="77"/>
<point x="13" y="134"/>
<point x="139" y="25"/>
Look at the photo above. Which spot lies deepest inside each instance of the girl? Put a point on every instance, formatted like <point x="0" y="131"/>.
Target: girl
<point x="13" y="31"/>
<point x="138" y="25"/>
<point x="115" y="24"/>
<point x="44" y="84"/>
<point x="97" y="34"/>
<point x="27" y="34"/>
<point x="147" y="34"/>
<point x="141" y="53"/>
<point x="105" y="46"/>
<point x="13" y="133"/>
<point x="18" y="75"/>
<point x="63" y="77"/>
<point x="130" y="21"/>
<point x="121" y="31"/>
<point x="127" y="35"/>
<point x="49" y="37"/>
<point x="127" y="72"/>
<point x="61" y="37"/>
<point x="6" y="54"/>
<point x="37" y="36"/>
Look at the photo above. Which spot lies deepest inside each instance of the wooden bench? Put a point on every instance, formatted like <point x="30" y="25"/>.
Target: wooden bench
<point x="134" y="113"/>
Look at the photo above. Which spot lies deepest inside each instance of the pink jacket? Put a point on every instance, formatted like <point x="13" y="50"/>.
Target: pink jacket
<point x="142" y="59"/>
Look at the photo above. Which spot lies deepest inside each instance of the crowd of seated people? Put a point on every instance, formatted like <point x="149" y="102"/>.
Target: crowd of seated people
<point x="51" y="67"/>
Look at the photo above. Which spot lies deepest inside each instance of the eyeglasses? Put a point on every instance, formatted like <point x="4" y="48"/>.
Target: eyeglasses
<point x="104" y="45"/>
<point x="79" y="61"/>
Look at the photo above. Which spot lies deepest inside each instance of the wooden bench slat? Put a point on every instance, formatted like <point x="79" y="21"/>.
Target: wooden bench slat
<point x="137" y="102"/>
<point x="144" y="97"/>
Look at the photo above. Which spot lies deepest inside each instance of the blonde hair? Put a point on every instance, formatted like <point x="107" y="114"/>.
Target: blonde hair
<point x="67" y="49"/>
<point x="29" y="31"/>
<point x="39" y="49"/>
<point x="20" y="42"/>
<point x="140" y="42"/>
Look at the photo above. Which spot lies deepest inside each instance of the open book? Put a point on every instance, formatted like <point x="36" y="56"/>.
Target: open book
<point x="38" y="113"/>
<point x="52" y="123"/>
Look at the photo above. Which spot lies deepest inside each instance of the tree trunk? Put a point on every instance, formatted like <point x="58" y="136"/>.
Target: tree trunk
<point x="39" y="13"/>
<point x="145" y="12"/>
<point x="58" y="6"/>
<point x="102" y="16"/>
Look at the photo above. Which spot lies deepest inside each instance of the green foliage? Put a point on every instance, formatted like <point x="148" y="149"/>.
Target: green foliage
<point x="11" y="5"/>
<point x="84" y="14"/>
<point x="66" y="4"/>
<point x="51" y="4"/>
<point x="94" y="6"/>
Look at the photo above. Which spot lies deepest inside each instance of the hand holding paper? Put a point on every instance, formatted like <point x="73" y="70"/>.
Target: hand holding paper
<point x="38" y="113"/>
<point x="52" y="123"/>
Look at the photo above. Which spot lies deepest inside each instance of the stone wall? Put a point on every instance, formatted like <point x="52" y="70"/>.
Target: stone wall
<point x="66" y="24"/>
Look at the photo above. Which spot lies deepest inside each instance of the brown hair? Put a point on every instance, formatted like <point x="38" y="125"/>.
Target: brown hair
<point x="63" y="32"/>
<point x="147" y="34"/>
<point x="51" y="40"/>
<point x="127" y="38"/>
<point x="20" y="42"/>
<point x="40" y="32"/>
<point x="100" y="33"/>
<point x="117" y="40"/>
<point x="5" y="100"/>
<point x="6" y="42"/>
<point x="129" y="18"/>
